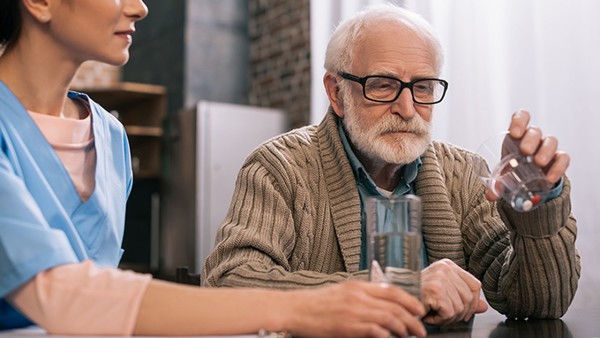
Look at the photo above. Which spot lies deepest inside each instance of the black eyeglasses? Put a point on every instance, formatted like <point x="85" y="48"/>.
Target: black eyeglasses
<point x="380" y="88"/>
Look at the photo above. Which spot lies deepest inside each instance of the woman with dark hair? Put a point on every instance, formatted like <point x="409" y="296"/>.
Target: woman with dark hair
<point x="66" y="175"/>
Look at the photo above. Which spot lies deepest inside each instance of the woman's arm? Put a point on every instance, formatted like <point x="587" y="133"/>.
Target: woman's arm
<point x="82" y="299"/>
<point x="352" y="309"/>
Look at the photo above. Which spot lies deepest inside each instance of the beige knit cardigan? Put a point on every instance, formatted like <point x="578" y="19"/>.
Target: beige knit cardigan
<point x="294" y="221"/>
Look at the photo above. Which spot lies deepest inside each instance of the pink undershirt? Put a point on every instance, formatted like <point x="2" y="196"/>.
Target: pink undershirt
<point x="73" y="142"/>
<point x="79" y="298"/>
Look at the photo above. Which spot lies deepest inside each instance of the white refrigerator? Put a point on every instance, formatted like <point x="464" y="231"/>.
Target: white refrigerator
<point x="210" y="144"/>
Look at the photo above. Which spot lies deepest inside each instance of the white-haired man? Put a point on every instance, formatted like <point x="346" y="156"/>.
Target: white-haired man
<point x="297" y="216"/>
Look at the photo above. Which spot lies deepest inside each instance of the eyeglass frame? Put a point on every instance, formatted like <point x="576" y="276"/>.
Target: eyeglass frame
<point x="409" y="85"/>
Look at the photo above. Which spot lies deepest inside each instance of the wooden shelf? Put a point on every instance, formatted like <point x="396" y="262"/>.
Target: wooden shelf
<point x="144" y="131"/>
<point x="141" y="108"/>
<point x="126" y="88"/>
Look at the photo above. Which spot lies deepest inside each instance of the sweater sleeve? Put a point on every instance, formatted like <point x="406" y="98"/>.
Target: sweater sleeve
<point x="274" y="235"/>
<point x="82" y="299"/>
<point x="544" y="262"/>
<point x="527" y="261"/>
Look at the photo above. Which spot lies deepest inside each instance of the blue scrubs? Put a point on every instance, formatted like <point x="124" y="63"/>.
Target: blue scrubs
<point x="43" y="221"/>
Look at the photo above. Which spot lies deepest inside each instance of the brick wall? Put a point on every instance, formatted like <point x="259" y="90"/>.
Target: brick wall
<point x="280" y="57"/>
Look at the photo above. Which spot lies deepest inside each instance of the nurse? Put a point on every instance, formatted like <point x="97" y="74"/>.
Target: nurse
<point x="65" y="175"/>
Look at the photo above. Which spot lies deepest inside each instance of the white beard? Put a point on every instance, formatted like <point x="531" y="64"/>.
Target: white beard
<point x="377" y="143"/>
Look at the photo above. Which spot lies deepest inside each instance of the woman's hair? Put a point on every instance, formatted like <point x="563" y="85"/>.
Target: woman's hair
<point x="10" y="22"/>
<point x="338" y="56"/>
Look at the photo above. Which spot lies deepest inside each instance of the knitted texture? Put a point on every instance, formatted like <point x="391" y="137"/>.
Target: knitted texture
<point x="294" y="222"/>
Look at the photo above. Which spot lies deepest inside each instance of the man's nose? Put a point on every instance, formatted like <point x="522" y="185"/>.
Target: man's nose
<point x="404" y="104"/>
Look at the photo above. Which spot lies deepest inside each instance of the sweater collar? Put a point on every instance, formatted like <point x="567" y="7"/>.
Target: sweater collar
<point x="345" y="201"/>
<point x="438" y="216"/>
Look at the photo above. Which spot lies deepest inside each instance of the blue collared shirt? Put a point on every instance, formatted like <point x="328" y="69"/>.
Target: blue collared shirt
<point x="366" y="188"/>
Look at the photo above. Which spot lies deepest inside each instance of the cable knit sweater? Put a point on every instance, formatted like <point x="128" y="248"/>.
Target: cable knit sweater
<point x="294" y="221"/>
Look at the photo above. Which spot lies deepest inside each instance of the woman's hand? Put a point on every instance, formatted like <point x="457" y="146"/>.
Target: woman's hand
<point x="354" y="309"/>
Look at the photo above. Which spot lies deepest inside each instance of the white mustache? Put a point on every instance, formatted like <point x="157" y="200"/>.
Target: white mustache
<point x="390" y="125"/>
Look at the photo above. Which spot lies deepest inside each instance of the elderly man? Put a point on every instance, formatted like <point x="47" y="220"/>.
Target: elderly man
<point x="297" y="218"/>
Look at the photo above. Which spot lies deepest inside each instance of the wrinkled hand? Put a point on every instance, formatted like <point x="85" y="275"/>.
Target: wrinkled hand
<point x="450" y="293"/>
<point x="357" y="309"/>
<point x="543" y="148"/>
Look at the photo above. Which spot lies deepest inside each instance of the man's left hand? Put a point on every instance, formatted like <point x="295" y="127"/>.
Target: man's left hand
<point x="450" y="293"/>
<point x="543" y="148"/>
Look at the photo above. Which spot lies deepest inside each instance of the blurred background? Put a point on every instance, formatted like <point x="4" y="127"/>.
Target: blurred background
<point x="209" y="80"/>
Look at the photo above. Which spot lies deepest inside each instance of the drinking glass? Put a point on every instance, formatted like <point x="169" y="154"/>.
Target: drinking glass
<point x="511" y="175"/>
<point x="394" y="241"/>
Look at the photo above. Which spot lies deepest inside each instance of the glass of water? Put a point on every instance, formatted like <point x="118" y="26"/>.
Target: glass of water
<point x="394" y="241"/>
<point x="511" y="175"/>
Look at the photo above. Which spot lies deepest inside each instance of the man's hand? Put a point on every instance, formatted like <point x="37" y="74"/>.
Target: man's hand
<point x="450" y="293"/>
<point x="543" y="148"/>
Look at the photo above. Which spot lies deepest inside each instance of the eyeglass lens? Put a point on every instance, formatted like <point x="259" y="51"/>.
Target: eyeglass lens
<point x="386" y="89"/>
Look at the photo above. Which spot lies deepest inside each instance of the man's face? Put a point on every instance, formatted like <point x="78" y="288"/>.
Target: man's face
<point x="386" y="138"/>
<point x="396" y="132"/>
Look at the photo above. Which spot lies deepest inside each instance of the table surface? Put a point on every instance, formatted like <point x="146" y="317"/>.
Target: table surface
<point x="582" y="320"/>
<point x="37" y="332"/>
<point x="577" y="323"/>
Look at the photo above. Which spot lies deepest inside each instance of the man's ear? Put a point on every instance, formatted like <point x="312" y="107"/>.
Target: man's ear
<point x="332" y="89"/>
<point x="38" y="9"/>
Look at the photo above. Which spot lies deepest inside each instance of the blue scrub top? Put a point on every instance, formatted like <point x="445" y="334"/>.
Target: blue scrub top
<point x="43" y="221"/>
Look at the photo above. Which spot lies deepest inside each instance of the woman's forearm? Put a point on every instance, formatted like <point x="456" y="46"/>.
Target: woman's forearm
<point x="173" y="309"/>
